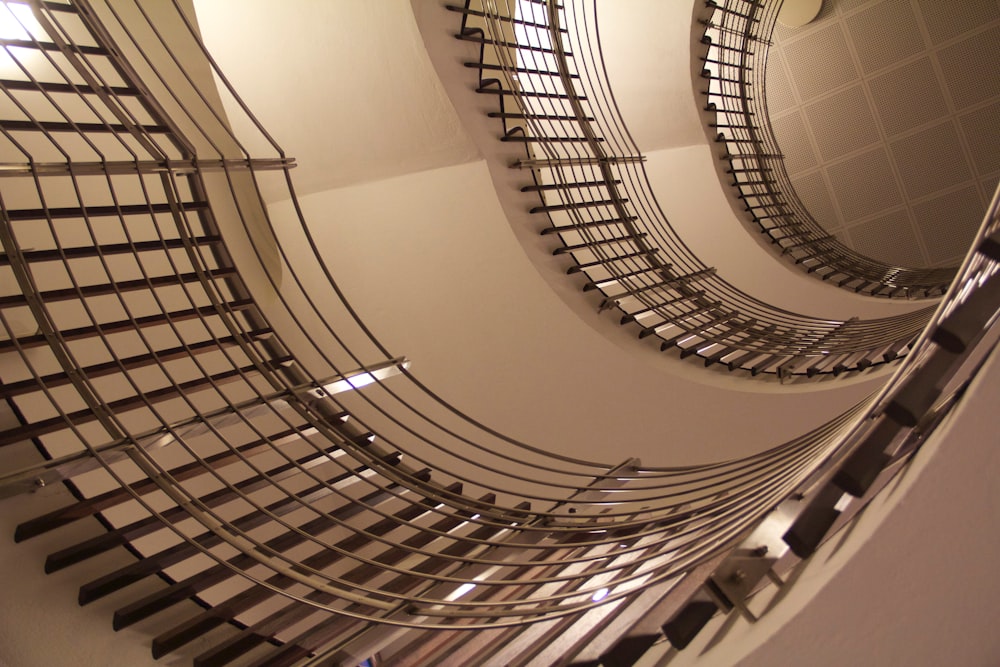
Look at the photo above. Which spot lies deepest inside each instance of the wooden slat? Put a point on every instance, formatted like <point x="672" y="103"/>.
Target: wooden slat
<point x="339" y="628"/>
<point x="138" y="323"/>
<point x="136" y="529"/>
<point x="134" y="362"/>
<point x="155" y="563"/>
<point x="53" y="424"/>
<point x="182" y="590"/>
<point x="227" y="611"/>
<point x="63" y="212"/>
<point x="104" y="289"/>
<point x="66" y="515"/>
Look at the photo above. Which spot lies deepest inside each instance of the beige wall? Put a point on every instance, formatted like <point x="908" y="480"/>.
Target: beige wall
<point x="346" y="87"/>
<point x="432" y="265"/>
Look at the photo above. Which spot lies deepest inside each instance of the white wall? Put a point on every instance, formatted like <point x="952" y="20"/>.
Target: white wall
<point x="433" y="266"/>
<point x="646" y="46"/>
<point x="345" y="87"/>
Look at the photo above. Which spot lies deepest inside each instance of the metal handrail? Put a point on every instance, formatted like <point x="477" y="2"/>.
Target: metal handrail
<point x="547" y="72"/>
<point x="183" y="372"/>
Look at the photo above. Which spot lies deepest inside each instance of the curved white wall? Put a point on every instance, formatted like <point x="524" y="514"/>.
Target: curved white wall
<point x="912" y="583"/>
<point x="431" y="264"/>
<point x="686" y="183"/>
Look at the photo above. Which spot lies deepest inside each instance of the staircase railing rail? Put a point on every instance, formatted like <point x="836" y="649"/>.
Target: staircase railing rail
<point x="735" y="43"/>
<point x="194" y="374"/>
<point x="543" y="63"/>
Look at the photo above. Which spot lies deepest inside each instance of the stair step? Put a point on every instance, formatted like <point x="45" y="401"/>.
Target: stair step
<point x="553" y="140"/>
<point x="106" y="328"/>
<point x="574" y="205"/>
<point x="602" y="242"/>
<point x="111" y="249"/>
<point x="53" y="126"/>
<point x="566" y="186"/>
<point x="75" y="89"/>
<point x="94" y="211"/>
<point x="588" y="225"/>
<point x="536" y="116"/>
<point x="12" y="389"/>
<point x="519" y="70"/>
<point x="121" y="286"/>
<point x="577" y="268"/>
<point x="52" y="46"/>
<point x="530" y="94"/>
<point x="509" y="45"/>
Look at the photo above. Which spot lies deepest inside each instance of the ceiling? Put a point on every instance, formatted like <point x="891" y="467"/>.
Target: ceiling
<point x="888" y="113"/>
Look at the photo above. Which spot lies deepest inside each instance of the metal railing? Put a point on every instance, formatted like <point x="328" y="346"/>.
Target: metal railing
<point x="543" y="63"/>
<point x="735" y="46"/>
<point x="960" y="338"/>
<point x="228" y="418"/>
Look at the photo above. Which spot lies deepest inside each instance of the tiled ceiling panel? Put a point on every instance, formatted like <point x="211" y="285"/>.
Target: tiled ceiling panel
<point x="943" y="22"/>
<point x="970" y="68"/>
<point x="888" y="236"/>
<point x="864" y="185"/>
<point x="990" y="183"/>
<point x="779" y="88"/>
<point x="895" y="110"/>
<point x="908" y="96"/>
<point x="931" y="160"/>
<point x="842" y="122"/>
<point x="947" y="221"/>
<point x="884" y="33"/>
<point x="815" y="195"/>
<point x="829" y="47"/>
<point x="795" y="144"/>
<point x="977" y="124"/>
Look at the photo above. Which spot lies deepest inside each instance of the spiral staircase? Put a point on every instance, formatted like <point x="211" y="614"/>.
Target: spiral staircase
<point x="208" y="438"/>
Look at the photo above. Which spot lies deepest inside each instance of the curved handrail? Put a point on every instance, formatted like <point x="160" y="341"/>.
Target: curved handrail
<point x="737" y="34"/>
<point x="183" y="406"/>
<point x="588" y="173"/>
<point x="227" y="434"/>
